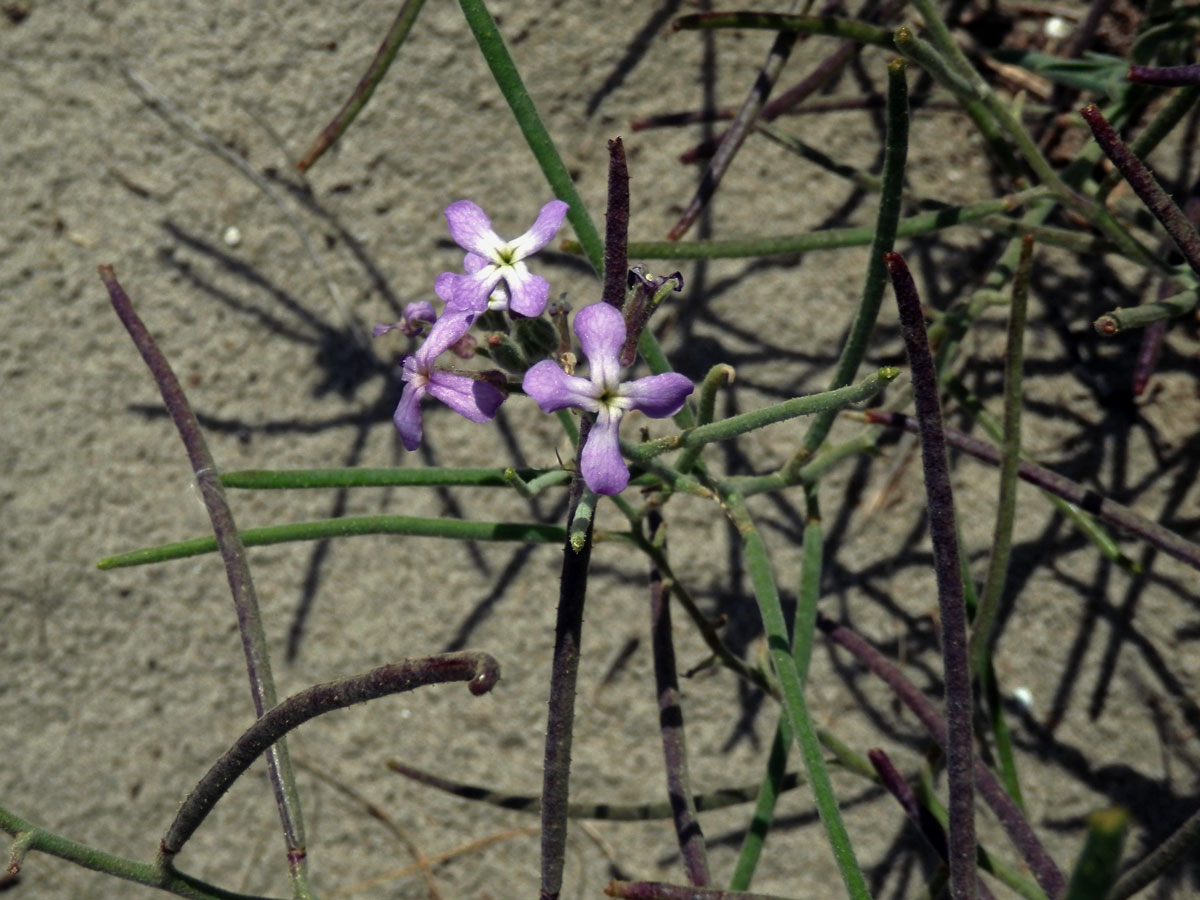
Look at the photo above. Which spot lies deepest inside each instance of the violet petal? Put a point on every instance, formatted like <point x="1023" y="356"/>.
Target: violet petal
<point x="471" y="229"/>
<point x="553" y="389"/>
<point x="443" y="285"/>
<point x="601" y="332"/>
<point x="445" y="332"/>
<point x="420" y="311"/>
<point x="658" y="396"/>
<point x="471" y="399"/>
<point x="408" y="415"/>
<point x="528" y="293"/>
<point x="470" y="292"/>
<point x="548" y="221"/>
<point x="603" y="469"/>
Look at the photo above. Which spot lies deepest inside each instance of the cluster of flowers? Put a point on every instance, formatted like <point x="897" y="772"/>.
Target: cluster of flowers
<point x="497" y="278"/>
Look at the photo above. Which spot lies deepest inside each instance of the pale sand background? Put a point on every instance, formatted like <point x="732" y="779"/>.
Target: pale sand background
<point x="119" y="688"/>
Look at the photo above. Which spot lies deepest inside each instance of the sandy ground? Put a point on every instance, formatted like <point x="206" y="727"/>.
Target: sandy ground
<point x="119" y="688"/>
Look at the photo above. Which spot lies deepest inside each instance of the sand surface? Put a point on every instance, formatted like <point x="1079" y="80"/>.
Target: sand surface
<point x="118" y="689"/>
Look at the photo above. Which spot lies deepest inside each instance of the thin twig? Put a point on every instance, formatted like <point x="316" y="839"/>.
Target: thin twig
<point x="743" y="125"/>
<point x="237" y="570"/>
<point x="379" y="814"/>
<point x="479" y="670"/>
<point x="821" y="75"/>
<point x="381" y="62"/>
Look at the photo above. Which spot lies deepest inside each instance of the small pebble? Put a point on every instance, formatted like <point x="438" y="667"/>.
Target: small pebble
<point x="232" y="236"/>
<point x="1057" y="28"/>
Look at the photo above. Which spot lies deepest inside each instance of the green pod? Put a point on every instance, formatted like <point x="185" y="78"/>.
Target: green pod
<point x="506" y="352"/>
<point x="538" y="338"/>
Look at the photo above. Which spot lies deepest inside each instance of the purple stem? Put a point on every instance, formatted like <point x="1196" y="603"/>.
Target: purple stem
<point x="616" y="229"/>
<point x="366" y="85"/>
<point x="237" y="570"/>
<point x="948" y="572"/>
<point x="1147" y="356"/>
<point x="742" y="125"/>
<point x="1145" y="186"/>
<point x="479" y="670"/>
<point x="931" y="829"/>
<point x="1009" y="814"/>
<point x="658" y="890"/>
<point x="1088" y="500"/>
<point x="1156" y="332"/>
<point x="838" y="104"/>
<point x="564" y="672"/>
<point x="1166" y="76"/>
<point x="825" y="72"/>
<point x="670" y="720"/>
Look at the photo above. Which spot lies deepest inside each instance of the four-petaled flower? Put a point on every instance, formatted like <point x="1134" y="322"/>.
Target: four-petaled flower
<point x="475" y="400"/>
<point x="601" y="332"/>
<point x="491" y="259"/>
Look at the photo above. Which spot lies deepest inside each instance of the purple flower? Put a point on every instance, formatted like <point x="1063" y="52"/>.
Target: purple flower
<point x="490" y="260"/>
<point x="472" y="399"/>
<point x="601" y="331"/>
<point x="414" y="314"/>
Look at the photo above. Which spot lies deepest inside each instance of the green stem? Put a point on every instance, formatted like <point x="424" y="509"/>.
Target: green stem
<point x="281" y="479"/>
<point x="1010" y="457"/>
<point x="830" y="238"/>
<point x="791" y="686"/>
<point x="730" y="428"/>
<point x="508" y="79"/>
<point x="976" y="89"/>
<point x="802" y="641"/>
<point x="886" y="227"/>
<point x="1096" y="870"/>
<point x="808" y="472"/>
<point x="717" y="376"/>
<point x="348" y="526"/>
<point x="173" y="881"/>
<point x="1129" y="318"/>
